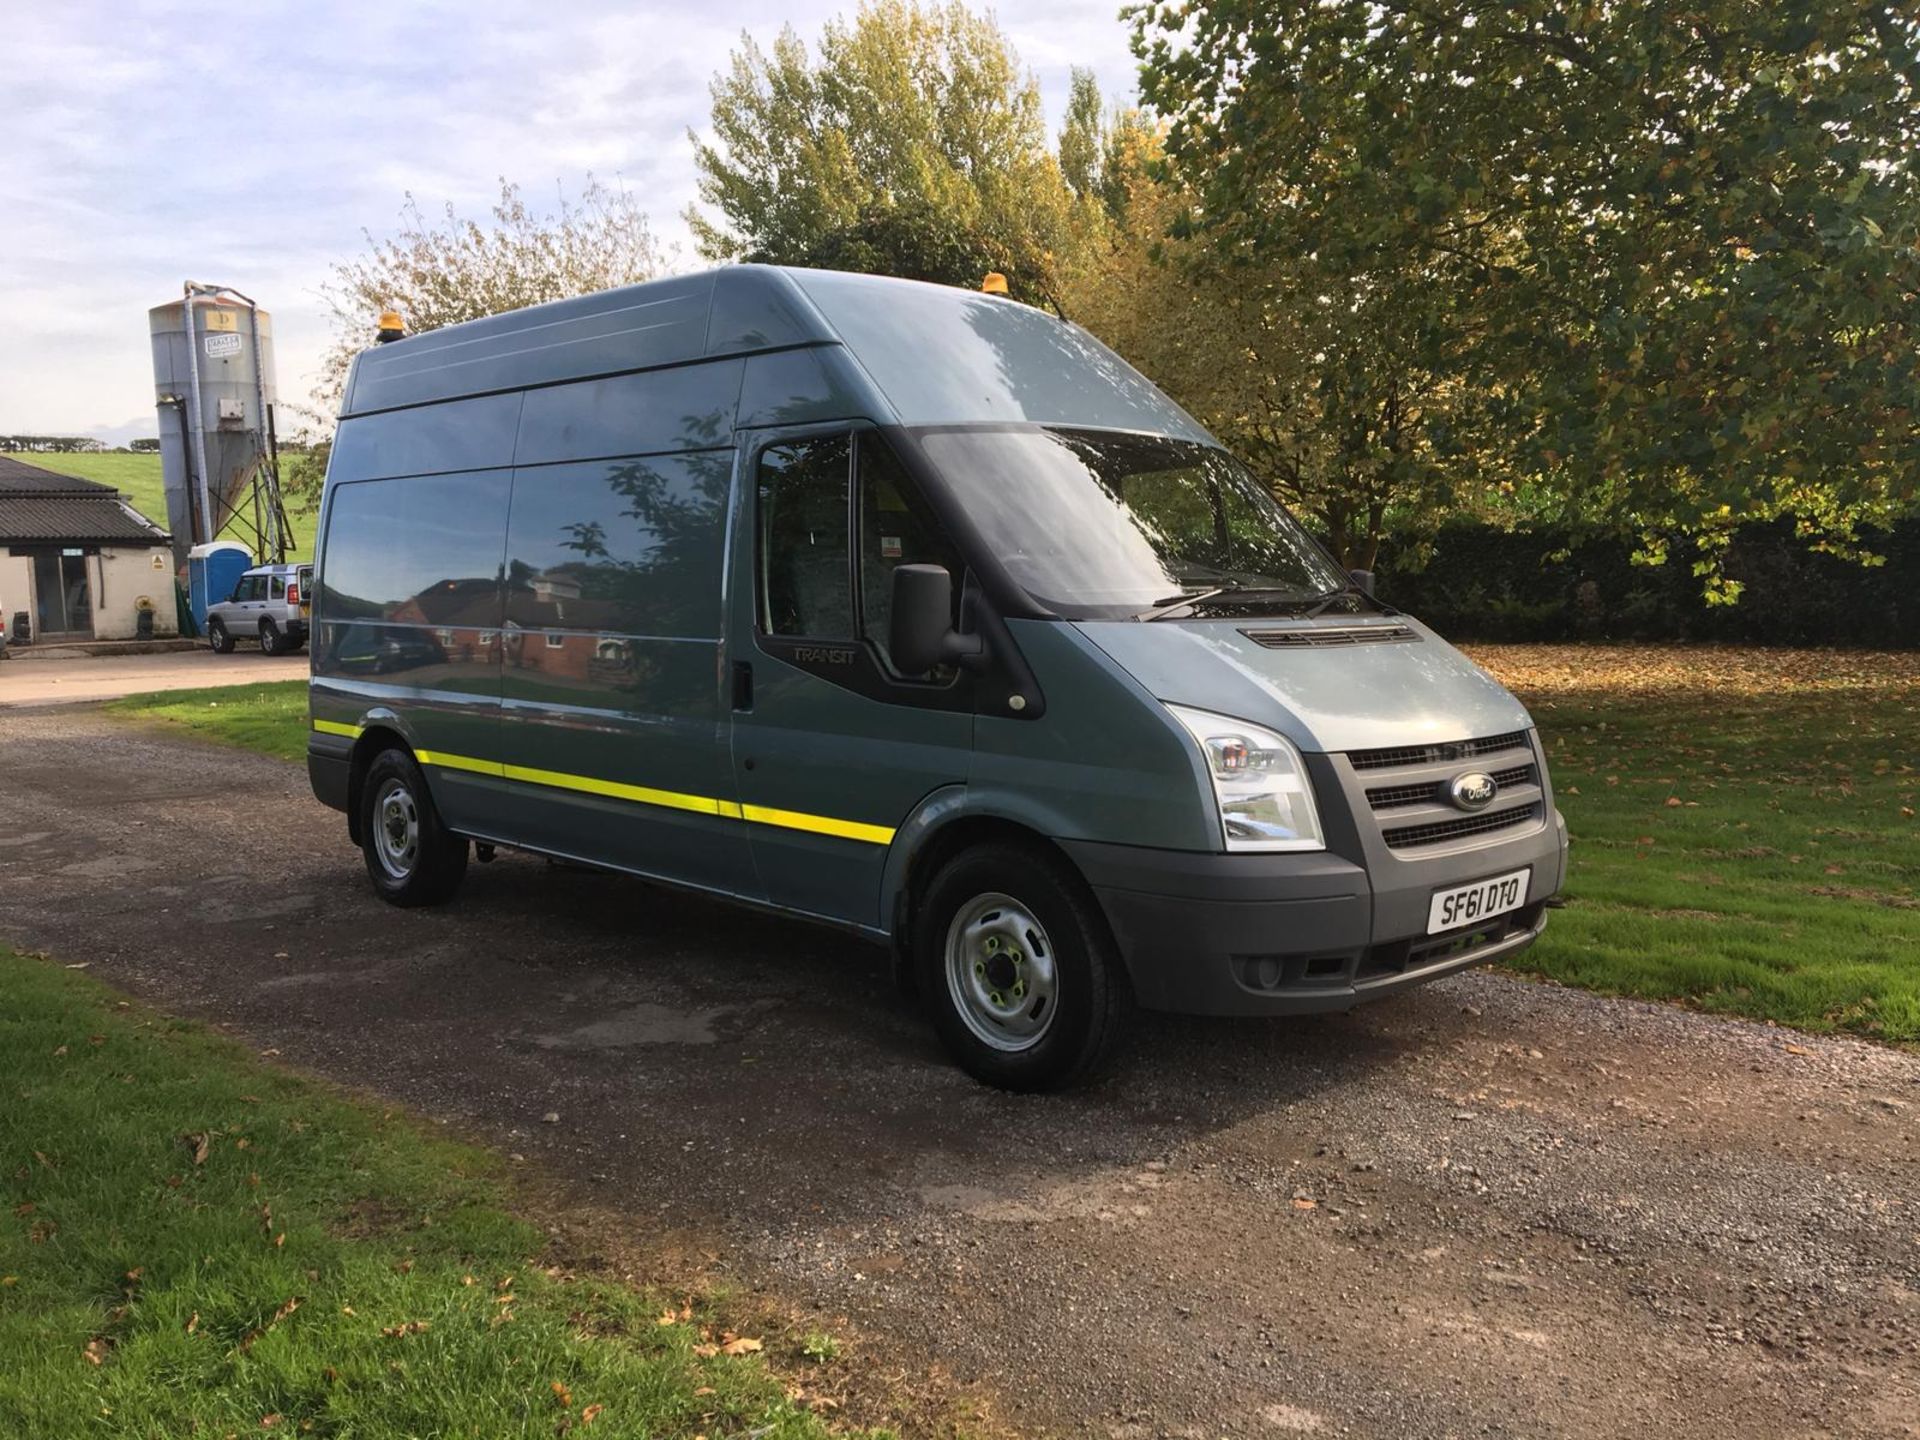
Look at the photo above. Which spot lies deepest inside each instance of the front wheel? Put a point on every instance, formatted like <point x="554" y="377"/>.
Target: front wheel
<point x="1026" y="988"/>
<point x="218" y="640"/>
<point x="412" y="858"/>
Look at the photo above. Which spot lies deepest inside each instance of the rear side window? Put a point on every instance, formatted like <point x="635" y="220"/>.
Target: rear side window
<point x="805" y="578"/>
<point x="422" y="551"/>
<point x="631" y="547"/>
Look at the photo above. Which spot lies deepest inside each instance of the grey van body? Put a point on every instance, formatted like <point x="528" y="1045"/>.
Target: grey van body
<point x="550" y="558"/>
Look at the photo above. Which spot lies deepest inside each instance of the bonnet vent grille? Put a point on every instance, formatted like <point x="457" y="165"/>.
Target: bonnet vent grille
<point x="1323" y="635"/>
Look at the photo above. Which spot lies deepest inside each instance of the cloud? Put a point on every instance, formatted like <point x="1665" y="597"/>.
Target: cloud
<point x="158" y="141"/>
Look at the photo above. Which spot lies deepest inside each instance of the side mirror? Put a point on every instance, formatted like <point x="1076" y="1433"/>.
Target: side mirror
<point x="921" y="634"/>
<point x="1362" y="580"/>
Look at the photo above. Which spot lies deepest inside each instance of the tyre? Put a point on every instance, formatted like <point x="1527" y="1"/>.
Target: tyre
<point x="218" y="640"/>
<point x="271" y="642"/>
<point x="1025" y="985"/>
<point x="412" y="858"/>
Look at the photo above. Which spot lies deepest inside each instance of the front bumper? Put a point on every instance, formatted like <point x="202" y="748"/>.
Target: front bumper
<point x="1214" y="934"/>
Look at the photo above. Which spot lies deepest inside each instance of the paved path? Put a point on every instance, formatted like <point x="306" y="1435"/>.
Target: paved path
<point x="35" y="680"/>
<point x="1489" y="1208"/>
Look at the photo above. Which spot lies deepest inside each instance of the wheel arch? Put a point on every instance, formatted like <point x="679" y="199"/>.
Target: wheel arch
<point x="949" y="821"/>
<point x="376" y="736"/>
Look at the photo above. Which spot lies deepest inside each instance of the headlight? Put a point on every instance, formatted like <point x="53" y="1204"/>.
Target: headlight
<point x="1265" y="798"/>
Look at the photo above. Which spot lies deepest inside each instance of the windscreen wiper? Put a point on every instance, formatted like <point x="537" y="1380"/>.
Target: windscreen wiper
<point x="1163" y="608"/>
<point x="1321" y="602"/>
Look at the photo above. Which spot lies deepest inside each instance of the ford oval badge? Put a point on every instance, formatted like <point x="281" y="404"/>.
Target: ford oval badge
<point x="1474" y="790"/>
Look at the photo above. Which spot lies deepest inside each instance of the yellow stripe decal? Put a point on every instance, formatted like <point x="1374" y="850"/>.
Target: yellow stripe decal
<point x="639" y="794"/>
<point x="460" y="762"/>
<point x="820" y="824"/>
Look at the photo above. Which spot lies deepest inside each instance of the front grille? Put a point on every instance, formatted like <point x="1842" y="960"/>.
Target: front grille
<point x="1332" y="635"/>
<point x="1399" y="838"/>
<point x="1428" y="792"/>
<point x="1399" y="755"/>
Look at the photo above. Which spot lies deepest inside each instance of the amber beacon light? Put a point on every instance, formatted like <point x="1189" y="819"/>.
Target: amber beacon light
<point x="994" y="283"/>
<point x="392" y="327"/>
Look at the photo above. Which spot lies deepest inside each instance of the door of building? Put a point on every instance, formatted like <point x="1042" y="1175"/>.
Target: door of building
<point x="62" y="594"/>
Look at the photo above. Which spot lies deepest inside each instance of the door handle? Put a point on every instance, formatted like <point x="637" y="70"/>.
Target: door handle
<point x="742" y="685"/>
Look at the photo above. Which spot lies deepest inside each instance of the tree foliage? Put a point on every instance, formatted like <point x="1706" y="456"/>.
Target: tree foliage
<point x="912" y="144"/>
<point x="1652" y="266"/>
<point x="1332" y="413"/>
<point x="443" y="272"/>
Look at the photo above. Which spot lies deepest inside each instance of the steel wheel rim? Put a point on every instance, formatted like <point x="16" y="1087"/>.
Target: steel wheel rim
<point x="396" y="829"/>
<point x="1002" y="973"/>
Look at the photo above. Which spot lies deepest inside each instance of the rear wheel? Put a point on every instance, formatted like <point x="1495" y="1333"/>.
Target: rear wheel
<point x="271" y="642"/>
<point x="218" y="640"/>
<point x="1014" y="959"/>
<point x="412" y="858"/>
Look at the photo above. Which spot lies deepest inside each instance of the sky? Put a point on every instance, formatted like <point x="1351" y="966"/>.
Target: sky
<point x="254" y="145"/>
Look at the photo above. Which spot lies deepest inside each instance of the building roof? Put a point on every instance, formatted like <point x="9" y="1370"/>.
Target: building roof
<point x="19" y="478"/>
<point x="39" y="507"/>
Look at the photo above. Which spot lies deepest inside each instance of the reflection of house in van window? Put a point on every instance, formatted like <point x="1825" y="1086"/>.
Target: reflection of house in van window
<point x="459" y="612"/>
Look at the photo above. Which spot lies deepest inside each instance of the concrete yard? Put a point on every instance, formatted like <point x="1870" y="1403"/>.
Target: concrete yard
<point x="47" y="679"/>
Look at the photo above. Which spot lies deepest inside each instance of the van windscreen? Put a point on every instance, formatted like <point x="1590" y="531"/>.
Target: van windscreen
<point x="1097" y="524"/>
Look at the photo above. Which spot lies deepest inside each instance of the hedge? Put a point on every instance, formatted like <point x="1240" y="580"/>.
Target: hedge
<point x="1486" y="584"/>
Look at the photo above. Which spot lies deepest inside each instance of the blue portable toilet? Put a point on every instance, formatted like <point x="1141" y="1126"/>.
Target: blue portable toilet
<point x="212" y="572"/>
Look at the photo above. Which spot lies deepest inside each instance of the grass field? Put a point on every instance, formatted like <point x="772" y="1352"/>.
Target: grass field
<point x="1744" y="831"/>
<point x="196" y="1243"/>
<point x="270" y="717"/>
<point x="138" y="477"/>
<point x="1743" y="821"/>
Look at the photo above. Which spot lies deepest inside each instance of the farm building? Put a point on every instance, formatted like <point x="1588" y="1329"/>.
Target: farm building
<point x="77" y="560"/>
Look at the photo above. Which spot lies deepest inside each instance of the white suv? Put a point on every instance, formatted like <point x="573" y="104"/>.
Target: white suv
<point x="268" y="604"/>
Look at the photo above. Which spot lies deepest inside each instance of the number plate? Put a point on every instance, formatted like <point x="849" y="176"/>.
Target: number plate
<point x="1482" y="900"/>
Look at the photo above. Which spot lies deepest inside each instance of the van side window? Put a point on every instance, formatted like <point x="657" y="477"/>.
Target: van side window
<point x="895" y="529"/>
<point x="806" y="581"/>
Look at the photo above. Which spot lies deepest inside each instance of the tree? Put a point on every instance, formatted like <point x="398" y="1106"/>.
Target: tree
<point x="1656" y="266"/>
<point x="1285" y="383"/>
<point x="913" y="144"/>
<point x="456" y="269"/>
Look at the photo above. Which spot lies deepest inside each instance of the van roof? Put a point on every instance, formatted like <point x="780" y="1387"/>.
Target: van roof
<point x="935" y="353"/>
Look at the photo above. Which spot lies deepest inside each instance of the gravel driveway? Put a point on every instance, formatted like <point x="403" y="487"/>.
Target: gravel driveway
<point x="1490" y="1207"/>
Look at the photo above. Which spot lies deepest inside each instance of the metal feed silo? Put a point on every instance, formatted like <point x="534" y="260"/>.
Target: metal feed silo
<point x="214" y="390"/>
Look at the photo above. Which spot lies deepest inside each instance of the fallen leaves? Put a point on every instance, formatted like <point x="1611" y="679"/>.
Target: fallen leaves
<point x="253" y="1337"/>
<point x="728" y="1344"/>
<point x="1717" y="670"/>
<point x="98" y="1348"/>
<point x="201" y="1143"/>
<point x="406" y="1328"/>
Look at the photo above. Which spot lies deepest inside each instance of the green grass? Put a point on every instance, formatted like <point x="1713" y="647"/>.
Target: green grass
<point x="1780" y="884"/>
<point x="269" y="717"/>
<point x="1752" y="854"/>
<point x="194" y="1242"/>
<point x="138" y="477"/>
